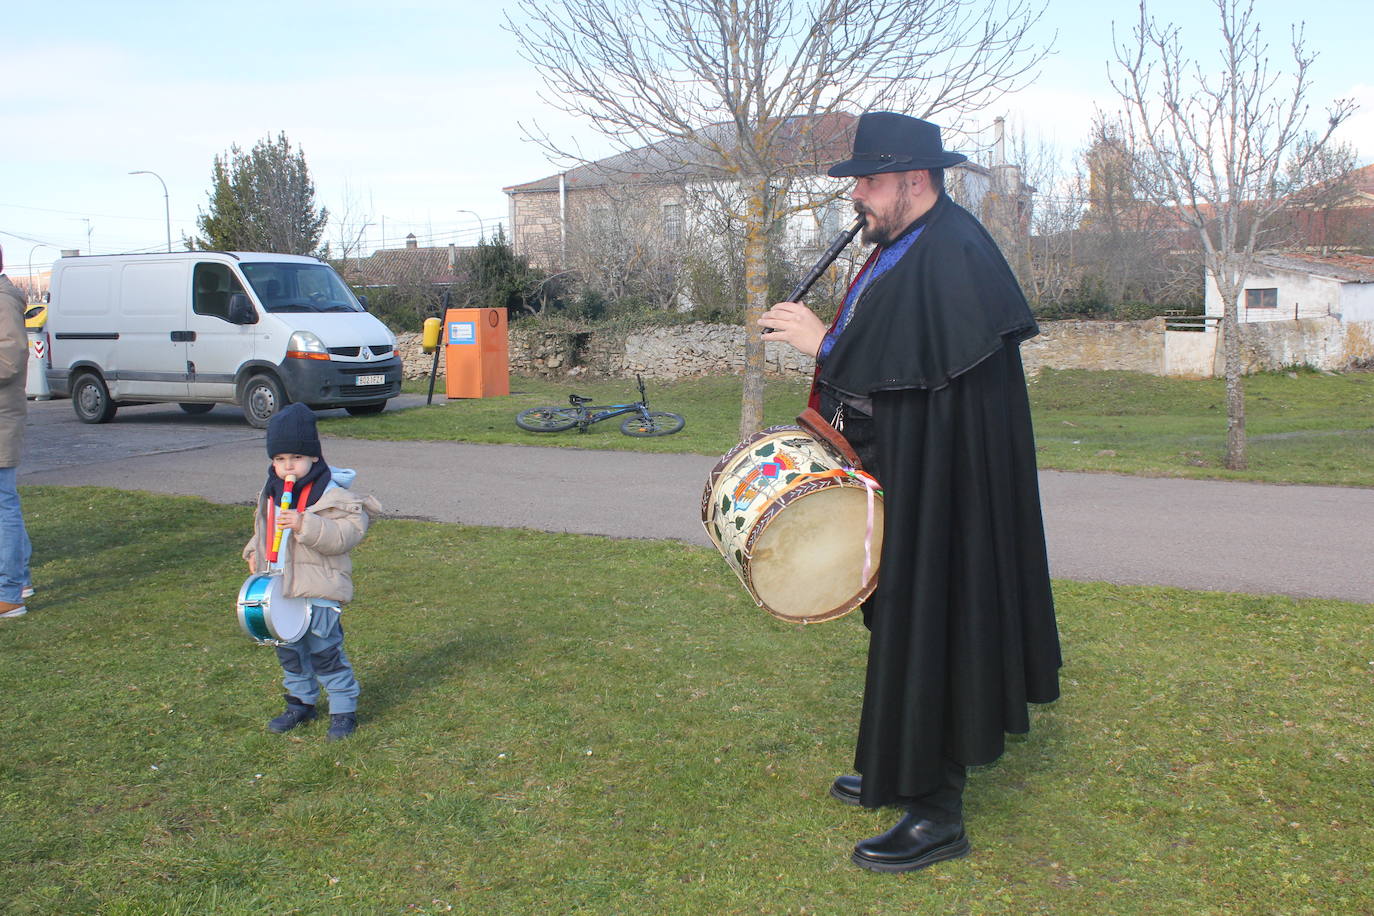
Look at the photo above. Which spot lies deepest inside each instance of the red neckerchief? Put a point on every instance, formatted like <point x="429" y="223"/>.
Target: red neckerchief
<point x="814" y="400"/>
<point x="272" y="518"/>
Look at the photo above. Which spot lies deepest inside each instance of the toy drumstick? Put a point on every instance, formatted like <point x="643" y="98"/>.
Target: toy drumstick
<point x="285" y="504"/>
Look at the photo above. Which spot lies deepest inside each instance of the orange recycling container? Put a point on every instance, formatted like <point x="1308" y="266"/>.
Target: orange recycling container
<point x="476" y="353"/>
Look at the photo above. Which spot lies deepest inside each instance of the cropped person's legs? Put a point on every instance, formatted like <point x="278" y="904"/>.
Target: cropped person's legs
<point x="15" y="548"/>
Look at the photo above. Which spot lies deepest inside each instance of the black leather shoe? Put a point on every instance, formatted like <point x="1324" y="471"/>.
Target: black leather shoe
<point x="913" y="843"/>
<point x="846" y="788"/>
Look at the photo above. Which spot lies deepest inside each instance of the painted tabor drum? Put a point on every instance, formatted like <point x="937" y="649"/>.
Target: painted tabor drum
<point x="801" y="529"/>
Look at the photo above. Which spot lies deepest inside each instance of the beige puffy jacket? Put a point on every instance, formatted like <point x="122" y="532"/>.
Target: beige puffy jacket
<point x="317" y="563"/>
<point x="14" y="371"/>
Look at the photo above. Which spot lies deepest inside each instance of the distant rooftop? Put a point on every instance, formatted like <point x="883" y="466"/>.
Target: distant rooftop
<point x="816" y="143"/>
<point x="1351" y="268"/>
<point x="399" y="266"/>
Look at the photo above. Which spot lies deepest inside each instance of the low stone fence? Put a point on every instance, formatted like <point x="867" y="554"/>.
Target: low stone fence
<point x="1322" y="343"/>
<point x="680" y="351"/>
<point x="1133" y="345"/>
<point x="1146" y="346"/>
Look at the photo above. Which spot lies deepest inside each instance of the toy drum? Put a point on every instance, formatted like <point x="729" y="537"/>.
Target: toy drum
<point x="797" y="523"/>
<point x="268" y="616"/>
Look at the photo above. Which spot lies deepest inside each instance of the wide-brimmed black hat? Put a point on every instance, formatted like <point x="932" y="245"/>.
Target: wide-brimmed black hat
<point x="886" y="141"/>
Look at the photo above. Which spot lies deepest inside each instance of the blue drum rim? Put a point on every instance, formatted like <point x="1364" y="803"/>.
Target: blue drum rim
<point x="254" y="612"/>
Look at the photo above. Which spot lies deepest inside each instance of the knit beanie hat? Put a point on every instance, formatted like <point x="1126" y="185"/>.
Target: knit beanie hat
<point x="291" y="431"/>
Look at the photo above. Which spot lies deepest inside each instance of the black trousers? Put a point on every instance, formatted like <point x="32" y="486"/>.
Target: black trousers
<point x="944" y="805"/>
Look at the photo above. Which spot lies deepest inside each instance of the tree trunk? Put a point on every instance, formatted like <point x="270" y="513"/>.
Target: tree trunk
<point x="756" y="303"/>
<point x="1235" y="391"/>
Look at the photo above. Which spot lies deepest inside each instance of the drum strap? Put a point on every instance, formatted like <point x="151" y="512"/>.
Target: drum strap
<point x="871" y="489"/>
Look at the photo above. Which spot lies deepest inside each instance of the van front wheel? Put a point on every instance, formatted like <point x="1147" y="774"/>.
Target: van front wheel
<point x="91" y="399"/>
<point x="262" y="397"/>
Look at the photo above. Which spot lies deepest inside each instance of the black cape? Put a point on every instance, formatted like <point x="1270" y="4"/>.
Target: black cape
<point x="963" y="628"/>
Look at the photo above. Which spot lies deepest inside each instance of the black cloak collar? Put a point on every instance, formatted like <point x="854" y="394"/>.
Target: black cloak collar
<point x="946" y="306"/>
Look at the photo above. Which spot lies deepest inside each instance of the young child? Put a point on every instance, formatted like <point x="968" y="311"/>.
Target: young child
<point x="326" y="521"/>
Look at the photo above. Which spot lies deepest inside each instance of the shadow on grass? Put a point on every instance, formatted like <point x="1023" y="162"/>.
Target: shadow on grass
<point x="402" y="674"/>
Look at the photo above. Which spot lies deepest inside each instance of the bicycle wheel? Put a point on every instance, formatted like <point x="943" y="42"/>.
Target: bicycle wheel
<point x="657" y="423"/>
<point x="547" y="419"/>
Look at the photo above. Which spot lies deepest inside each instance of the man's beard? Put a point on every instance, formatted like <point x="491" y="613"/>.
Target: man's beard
<point x="882" y="230"/>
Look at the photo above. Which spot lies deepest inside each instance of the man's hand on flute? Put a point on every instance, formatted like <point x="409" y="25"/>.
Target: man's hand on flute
<point x="795" y="324"/>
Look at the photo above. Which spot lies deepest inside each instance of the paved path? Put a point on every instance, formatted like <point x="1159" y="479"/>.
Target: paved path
<point x="1255" y="538"/>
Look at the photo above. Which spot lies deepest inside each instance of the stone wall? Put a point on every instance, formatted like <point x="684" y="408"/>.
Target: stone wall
<point x="1134" y="345"/>
<point x="704" y="349"/>
<point x="683" y="351"/>
<point x="1322" y="343"/>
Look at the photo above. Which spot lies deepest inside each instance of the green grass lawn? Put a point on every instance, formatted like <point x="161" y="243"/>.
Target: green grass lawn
<point x="565" y="724"/>
<point x="710" y="405"/>
<point x="1304" y="427"/>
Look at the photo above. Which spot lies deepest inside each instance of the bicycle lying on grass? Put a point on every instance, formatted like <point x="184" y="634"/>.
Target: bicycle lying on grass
<point x="641" y="420"/>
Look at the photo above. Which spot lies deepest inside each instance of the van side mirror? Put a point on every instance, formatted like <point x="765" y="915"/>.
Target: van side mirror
<point x="363" y="300"/>
<point x="241" y="310"/>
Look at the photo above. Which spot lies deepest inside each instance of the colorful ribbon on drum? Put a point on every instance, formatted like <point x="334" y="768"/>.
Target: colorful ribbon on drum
<point x="871" y="489"/>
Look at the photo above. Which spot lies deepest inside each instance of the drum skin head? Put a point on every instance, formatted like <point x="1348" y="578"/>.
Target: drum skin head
<point x="791" y="521"/>
<point x="807" y="562"/>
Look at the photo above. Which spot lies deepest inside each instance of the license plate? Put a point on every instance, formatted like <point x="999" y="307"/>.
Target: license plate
<point x="371" y="380"/>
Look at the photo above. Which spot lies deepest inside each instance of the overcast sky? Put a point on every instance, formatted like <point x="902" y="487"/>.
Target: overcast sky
<point x="408" y="111"/>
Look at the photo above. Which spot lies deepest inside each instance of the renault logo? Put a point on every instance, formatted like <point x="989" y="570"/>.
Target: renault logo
<point x="367" y="354"/>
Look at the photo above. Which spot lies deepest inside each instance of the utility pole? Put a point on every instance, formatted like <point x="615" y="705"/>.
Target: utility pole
<point x="481" y="226"/>
<point x="166" y="203"/>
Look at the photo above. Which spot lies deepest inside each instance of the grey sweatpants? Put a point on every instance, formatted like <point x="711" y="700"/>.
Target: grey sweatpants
<point x="318" y="660"/>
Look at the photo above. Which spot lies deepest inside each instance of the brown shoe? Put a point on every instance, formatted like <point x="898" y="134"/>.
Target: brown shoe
<point x="10" y="609"/>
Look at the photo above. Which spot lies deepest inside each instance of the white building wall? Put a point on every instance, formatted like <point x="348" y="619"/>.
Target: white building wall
<point x="1357" y="302"/>
<point x="1300" y="295"/>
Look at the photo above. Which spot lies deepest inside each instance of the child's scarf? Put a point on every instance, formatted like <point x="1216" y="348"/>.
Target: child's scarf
<point x="318" y="477"/>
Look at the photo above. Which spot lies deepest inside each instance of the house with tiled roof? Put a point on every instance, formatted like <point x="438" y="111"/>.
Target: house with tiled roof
<point x="1293" y="285"/>
<point x="409" y="266"/>
<point x="668" y="191"/>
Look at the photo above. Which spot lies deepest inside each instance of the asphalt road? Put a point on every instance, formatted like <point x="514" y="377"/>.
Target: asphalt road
<point x="1214" y="535"/>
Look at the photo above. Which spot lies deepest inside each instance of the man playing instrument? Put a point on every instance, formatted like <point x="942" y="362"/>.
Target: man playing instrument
<point x="922" y="372"/>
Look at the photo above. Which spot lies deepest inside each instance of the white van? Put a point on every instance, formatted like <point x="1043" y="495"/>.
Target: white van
<point x="200" y="328"/>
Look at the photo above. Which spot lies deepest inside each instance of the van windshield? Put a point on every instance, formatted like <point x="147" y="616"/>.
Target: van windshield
<point x="299" y="288"/>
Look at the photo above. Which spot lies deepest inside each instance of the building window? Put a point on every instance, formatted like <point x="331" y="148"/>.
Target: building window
<point x="1261" y="298"/>
<point x="672" y="222"/>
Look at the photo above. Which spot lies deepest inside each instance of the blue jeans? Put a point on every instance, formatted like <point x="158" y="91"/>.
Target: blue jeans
<point x="15" y="548"/>
<point x="318" y="660"/>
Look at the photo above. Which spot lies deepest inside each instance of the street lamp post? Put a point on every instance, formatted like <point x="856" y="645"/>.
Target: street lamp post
<point x="33" y="287"/>
<point x="481" y="226"/>
<point x="166" y="202"/>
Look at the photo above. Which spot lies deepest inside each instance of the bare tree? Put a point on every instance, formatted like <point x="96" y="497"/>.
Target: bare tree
<point x="1217" y="145"/>
<point x="352" y="222"/>
<point x="1319" y="208"/>
<point x="735" y="88"/>
<point x="624" y="242"/>
<point x="1046" y="250"/>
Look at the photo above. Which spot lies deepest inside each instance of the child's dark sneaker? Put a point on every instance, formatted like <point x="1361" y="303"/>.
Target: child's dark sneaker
<point x="341" y="725"/>
<point x="296" y="713"/>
